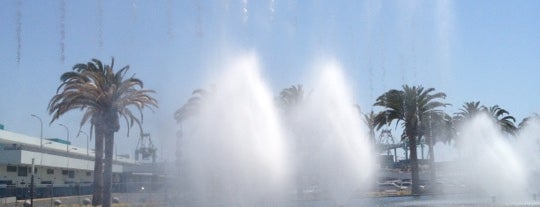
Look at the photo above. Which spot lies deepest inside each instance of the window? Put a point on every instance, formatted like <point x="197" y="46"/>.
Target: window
<point x="6" y="182"/>
<point x="11" y="168"/>
<point x="64" y="172"/>
<point x="50" y="171"/>
<point x="71" y="174"/>
<point x="23" y="171"/>
<point x="88" y="173"/>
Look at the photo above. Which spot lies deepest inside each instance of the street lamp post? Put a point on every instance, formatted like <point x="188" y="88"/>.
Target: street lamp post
<point x="32" y="185"/>
<point x="40" y="131"/>
<point x="87" y="137"/>
<point x="67" y="130"/>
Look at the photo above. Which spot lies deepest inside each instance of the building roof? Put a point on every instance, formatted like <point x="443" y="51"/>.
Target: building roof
<point x="16" y="141"/>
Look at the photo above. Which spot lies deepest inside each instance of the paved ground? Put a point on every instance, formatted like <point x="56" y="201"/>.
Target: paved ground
<point x="68" y="201"/>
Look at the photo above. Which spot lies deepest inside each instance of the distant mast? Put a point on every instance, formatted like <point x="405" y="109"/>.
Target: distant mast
<point x="145" y="148"/>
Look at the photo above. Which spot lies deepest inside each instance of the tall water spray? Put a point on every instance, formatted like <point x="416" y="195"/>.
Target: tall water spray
<point x="234" y="150"/>
<point x="528" y="147"/>
<point x="238" y="151"/>
<point x="490" y="161"/>
<point x="333" y="149"/>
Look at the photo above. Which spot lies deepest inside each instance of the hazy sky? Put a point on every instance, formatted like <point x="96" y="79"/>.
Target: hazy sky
<point x="473" y="50"/>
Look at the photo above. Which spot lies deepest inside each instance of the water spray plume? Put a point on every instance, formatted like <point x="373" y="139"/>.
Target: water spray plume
<point x="335" y="139"/>
<point x="491" y="164"/>
<point x="234" y="148"/>
<point x="239" y="150"/>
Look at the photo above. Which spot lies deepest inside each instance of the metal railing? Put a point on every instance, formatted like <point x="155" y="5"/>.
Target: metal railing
<point x="75" y="189"/>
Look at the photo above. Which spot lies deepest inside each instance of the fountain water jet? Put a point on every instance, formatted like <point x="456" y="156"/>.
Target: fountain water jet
<point x="333" y="153"/>
<point x="235" y="151"/>
<point x="528" y="147"/>
<point x="494" y="169"/>
<point x="491" y="163"/>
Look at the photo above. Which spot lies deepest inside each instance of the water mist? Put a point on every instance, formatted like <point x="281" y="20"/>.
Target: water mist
<point x="333" y="151"/>
<point x="490" y="162"/>
<point x="238" y="150"/>
<point x="528" y="147"/>
<point x="234" y="150"/>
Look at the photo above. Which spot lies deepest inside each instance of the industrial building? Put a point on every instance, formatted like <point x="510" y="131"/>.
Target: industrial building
<point x="62" y="169"/>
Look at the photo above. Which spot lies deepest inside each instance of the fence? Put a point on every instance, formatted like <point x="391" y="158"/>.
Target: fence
<point x="46" y="191"/>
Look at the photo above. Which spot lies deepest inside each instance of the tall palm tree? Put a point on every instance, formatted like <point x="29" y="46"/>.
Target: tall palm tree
<point x="499" y="115"/>
<point x="527" y="120"/>
<point x="105" y="96"/>
<point x="291" y="97"/>
<point x="437" y="126"/>
<point x="189" y="109"/>
<point x="288" y="101"/>
<point x="192" y="106"/>
<point x="469" y="110"/>
<point x="409" y="106"/>
<point x="503" y="119"/>
<point x="369" y="120"/>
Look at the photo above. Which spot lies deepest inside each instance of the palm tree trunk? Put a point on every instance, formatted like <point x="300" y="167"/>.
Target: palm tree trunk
<point x="98" y="167"/>
<point x="422" y="149"/>
<point x="431" y="155"/>
<point x="395" y="155"/>
<point x="107" y="174"/>
<point x="406" y="152"/>
<point x="414" y="165"/>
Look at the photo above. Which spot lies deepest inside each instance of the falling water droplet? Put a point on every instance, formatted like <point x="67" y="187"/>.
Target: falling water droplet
<point x="198" y="26"/>
<point x="134" y="10"/>
<point x="383" y="56"/>
<point x="413" y="51"/>
<point x="100" y="24"/>
<point x="272" y="9"/>
<point x="292" y="9"/>
<point x="170" y="19"/>
<point x="62" y="30"/>
<point x="245" y="10"/>
<point x="370" y="80"/>
<point x="413" y="62"/>
<point x="226" y="5"/>
<point x="19" y="31"/>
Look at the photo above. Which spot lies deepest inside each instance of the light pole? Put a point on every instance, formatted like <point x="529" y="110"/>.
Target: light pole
<point x="40" y="131"/>
<point x="87" y="137"/>
<point x="32" y="186"/>
<point x="67" y="130"/>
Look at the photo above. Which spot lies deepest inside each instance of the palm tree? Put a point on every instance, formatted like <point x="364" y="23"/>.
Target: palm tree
<point x="500" y="116"/>
<point x="468" y="110"/>
<point x="189" y="109"/>
<point x="527" y="120"/>
<point x="369" y="120"/>
<point x="437" y="126"/>
<point x="290" y="98"/>
<point x="503" y="119"/>
<point x="105" y="96"/>
<point x="410" y="106"/>
<point x="192" y="106"/>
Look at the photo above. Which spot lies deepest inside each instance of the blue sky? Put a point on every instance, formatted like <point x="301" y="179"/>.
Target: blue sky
<point x="472" y="50"/>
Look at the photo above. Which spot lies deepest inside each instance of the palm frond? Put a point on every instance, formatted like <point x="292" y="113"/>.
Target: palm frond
<point x="95" y="88"/>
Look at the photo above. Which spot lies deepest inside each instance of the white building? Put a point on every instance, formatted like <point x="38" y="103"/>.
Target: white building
<point x="57" y="163"/>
